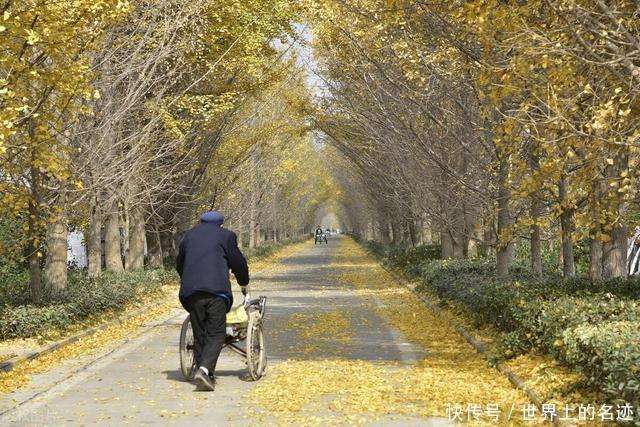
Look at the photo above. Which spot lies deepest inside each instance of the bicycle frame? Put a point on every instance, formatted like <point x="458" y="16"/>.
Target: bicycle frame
<point x="258" y="304"/>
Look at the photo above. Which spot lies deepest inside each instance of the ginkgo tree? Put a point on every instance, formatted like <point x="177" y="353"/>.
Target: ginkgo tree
<point x="45" y="77"/>
<point x="485" y="124"/>
<point x="279" y="178"/>
<point x="496" y="121"/>
<point x="115" y="114"/>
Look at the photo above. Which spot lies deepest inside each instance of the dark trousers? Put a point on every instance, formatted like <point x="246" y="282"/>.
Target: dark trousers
<point x="208" y="319"/>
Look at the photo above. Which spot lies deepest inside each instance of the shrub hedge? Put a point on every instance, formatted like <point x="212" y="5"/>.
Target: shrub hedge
<point x="410" y="259"/>
<point x="608" y="354"/>
<point x="593" y="327"/>
<point x="406" y="258"/>
<point x="82" y="297"/>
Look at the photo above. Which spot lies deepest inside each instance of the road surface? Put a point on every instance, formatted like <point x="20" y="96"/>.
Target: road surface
<point x="139" y="382"/>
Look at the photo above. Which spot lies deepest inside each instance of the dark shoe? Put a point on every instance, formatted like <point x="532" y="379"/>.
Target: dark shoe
<point x="204" y="381"/>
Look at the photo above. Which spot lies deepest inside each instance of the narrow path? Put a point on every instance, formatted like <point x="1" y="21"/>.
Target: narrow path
<point x="316" y="320"/>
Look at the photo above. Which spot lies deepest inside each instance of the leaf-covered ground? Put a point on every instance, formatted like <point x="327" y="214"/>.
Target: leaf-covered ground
<point x="22" y="372"/>
<point x="552" y="382"/>
<point x="158" y="304"/>
<point x="311" y="389"/>
<point x="346" y="345"/>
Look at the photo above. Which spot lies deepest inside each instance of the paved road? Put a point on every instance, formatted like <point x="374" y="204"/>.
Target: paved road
<point x="139" y="382"/>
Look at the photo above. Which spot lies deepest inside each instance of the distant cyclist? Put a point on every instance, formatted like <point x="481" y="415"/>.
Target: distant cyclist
<point x="320" y="236"/>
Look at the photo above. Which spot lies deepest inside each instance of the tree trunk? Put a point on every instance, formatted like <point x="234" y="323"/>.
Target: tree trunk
<point x="125" y="227"/>
<point x="536" y="250"/>
<point x="406" y="234"/>
<point x="482" y="236"/>
<point x="474" y="242"/>
<point x="33" y="254"/>
<point x="595" y="244"/>
<point x="560" y="254"/>
<point x="167" y="244"/>
<point x="615" y="253"/>
<point x="489" y="238"/>
<point x="458" y="249"/>
<point x="112" y="248"/>
<point x="94" y="240"/>
<point x="376" y="231"/>
<point x="183" y="221"/>
<point x="384" y="233"/>
<point x="615" y="250"/>
<point x="154" y="249"/>
<point x="136" y="239"/>
<point x="258" y="237"/>
<point x="413" y="233"/>
<point x="239" y="232"/>
<point x="33" y="231"/>
<point x="55" y="271"/>
<point x="252" y="233"/>
<point x="595" y="260"/>
<point x="568" y="260"/>
<point x="536" y="236"/>
<point x="536" y="212"/>
<point x="447" y="244"/>
<point x="396" y="237"/>
<point x="505" y="249"/>
<point x="566" y="225"/>
<point x="427" y="238"/>
<point x="467" y="230"/>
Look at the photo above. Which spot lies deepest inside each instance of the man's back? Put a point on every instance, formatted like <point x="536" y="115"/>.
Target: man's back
<point x="207" y="252"/>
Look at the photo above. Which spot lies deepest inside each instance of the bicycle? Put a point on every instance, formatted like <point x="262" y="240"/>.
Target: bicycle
<point x="321" y="238"/>
<point x="244" y="323"/>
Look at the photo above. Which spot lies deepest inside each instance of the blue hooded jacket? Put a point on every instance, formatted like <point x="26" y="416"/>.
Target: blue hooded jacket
<point x="207" y="253"/>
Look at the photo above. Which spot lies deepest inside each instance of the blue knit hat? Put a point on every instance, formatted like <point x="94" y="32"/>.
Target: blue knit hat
<point x="213" y="217"/>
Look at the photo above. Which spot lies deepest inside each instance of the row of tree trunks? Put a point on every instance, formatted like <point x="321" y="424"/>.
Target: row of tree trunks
<point x="258" y="236"/>
<point x="57" y="236"/>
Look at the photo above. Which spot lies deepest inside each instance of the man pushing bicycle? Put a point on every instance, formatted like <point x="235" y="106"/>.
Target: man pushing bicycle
<point x="207" y="253"/>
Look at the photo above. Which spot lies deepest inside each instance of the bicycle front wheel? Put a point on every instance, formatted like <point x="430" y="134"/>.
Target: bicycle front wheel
<point x="255" y="347"/>
<point x="187" y="356"/>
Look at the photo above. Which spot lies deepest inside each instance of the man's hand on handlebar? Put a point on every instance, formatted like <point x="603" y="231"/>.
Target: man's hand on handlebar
<point x="245" y="293"/>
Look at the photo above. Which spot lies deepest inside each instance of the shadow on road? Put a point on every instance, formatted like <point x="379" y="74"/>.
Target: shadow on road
<point x="175" y="375"/>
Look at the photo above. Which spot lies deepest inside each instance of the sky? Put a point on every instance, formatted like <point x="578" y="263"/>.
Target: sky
<point x="306" y="58"/>
<point x="301" y="46"/>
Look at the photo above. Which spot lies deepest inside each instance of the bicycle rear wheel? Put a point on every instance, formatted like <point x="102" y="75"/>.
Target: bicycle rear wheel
<point x="187" y="357"/>
<point x="255" y="347"/>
